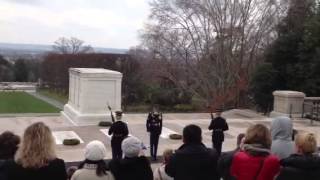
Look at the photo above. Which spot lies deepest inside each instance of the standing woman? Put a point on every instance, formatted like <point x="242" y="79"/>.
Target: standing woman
<point x="93" y="167"/>
<point x="255" y="161"/>
<point x="36" y="158"/>
<point x="304" y="164"/>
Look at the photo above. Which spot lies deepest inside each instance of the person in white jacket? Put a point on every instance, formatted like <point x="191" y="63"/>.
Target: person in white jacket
<point x="93" y="167"/>
<point x="159" y="173"/>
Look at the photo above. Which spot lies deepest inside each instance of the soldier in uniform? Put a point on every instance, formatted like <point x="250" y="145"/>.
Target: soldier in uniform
<point x="119" y="131"/>
<point x="154" y="127"/>
<point x="218" y="125"/>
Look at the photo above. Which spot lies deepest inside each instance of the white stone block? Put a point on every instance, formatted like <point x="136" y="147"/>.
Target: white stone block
<point x="91" y="90"/>
<point x="287" y="103"/>
<point x="59" y="136"/>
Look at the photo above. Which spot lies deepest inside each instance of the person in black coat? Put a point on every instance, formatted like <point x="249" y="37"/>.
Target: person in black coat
<point x="193" y="160"/>
<point x="119" y="131"/>
<point x="218" y="125"/>
<point x="132" y="166"/>
<point x="8" y="146"/>
<point x="225" y="160"/>
<point x="154" y="127"/>
<point x="304" y="164"/>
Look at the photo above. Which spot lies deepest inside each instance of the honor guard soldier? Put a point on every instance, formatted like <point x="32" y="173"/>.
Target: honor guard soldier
<point x="218" y="125"/>
<point x="154" y="127"/>
<point x="119" y="131"/>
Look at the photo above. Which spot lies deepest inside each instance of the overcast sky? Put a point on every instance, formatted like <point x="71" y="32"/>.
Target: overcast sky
<point x="100" y="23"/>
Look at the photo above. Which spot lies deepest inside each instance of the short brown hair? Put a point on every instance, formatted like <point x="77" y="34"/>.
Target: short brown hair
<point x="167" y="155"/>
<point x="306" y="142"/>
<point x="8" y="145"/>
<point x="258" y="134"/>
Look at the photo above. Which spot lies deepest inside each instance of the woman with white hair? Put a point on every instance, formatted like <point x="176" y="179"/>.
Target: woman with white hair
<point x="93" y="167"/>
<point x="132" y="166"/>
<point x="36" y="158"/>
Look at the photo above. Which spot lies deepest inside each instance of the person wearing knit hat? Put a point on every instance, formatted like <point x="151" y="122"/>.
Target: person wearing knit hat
<point x="93" y="167"/>
<point x="131" y="147"/>
<point x="132" y="166"/>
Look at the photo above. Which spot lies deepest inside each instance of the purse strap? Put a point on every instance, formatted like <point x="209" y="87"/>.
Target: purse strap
<point x="259" y="170"/>
<point x="159" y="172"/>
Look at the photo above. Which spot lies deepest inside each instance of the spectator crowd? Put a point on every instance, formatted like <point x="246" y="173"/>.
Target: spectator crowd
<point x="261" y="154"/>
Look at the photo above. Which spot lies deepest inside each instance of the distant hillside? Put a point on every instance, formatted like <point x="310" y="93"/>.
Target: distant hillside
<point x="12" y="51"/>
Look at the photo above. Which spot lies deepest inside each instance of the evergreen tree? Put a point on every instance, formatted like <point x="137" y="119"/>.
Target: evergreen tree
<point x="20" y="71"/>
<point x="284" y="52"/>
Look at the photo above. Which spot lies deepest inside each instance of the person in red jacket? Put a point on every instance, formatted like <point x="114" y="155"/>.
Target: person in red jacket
<point x="255" y="161"/>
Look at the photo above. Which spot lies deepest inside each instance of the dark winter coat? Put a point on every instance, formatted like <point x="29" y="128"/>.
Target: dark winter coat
<point x="193" y="162"/>
<point x="131" y="168"/>
<point x="55" y="170"/>
<point x="224" y="164"/>
<point x="218" y="125"/>
<point x="3" y="174"/>
<point x="300" y="167"/>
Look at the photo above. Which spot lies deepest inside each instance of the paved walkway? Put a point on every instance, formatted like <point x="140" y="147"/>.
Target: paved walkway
<point x="51" y="101"/>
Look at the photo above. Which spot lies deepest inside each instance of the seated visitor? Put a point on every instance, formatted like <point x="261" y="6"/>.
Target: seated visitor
<point x="281" y="133"/>
<point x="225" y="159"/>
<point x="159" y="173"/>
<point x="193" y="160"/>
<point x="304" y="164"/>
<point x="255" y="161"/>
<point x="132" y="166"/>
<point x="70" y="171"/>
<point x="93" y="167"/>
<point x="8" y="146"/>
<point x="36" y="158"/>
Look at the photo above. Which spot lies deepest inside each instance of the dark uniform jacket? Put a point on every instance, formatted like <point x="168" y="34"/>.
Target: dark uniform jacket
<point x="218" y="125"/>
<point x="136" y="168"/>
<point x="119" y="129"/>
<point x="154" y="124"/>
<point x="300" y="167"/>
<point x="193" y="162"/>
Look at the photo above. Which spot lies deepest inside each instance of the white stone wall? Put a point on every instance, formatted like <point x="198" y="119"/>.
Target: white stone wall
<point x="91" y="90"/>
<point x="288" y="103"/>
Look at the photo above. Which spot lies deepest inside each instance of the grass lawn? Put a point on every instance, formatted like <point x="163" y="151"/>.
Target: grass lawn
<point x="54" y="95"/>
<point x="21" y="102"/>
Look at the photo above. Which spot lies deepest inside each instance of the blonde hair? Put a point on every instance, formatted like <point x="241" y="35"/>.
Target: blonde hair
<point x="37" y="148"/>
<point x="258" y="134"/>
<point x="306" y="142"/>
<point x="167" y="154"/>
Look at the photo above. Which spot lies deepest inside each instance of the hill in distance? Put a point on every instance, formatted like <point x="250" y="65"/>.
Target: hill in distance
<point x="13" y="50"/>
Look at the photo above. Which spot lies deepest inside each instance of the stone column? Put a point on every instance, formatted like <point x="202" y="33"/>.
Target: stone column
<point x="91" y="90"/>
<point x="287" y="103"/>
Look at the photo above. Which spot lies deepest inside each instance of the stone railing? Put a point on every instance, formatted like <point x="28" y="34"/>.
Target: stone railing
<point x="18" y="86"/>
<point x="311" y="108"/>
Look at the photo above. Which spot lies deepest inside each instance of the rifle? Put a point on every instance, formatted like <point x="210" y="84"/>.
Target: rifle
<point x="212" y="117"/>
<point x="112" y="117"/>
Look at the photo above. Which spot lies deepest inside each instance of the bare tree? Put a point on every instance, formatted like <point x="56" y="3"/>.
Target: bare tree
<point x="208" y="47"/>
<point x="71" y="46"/>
